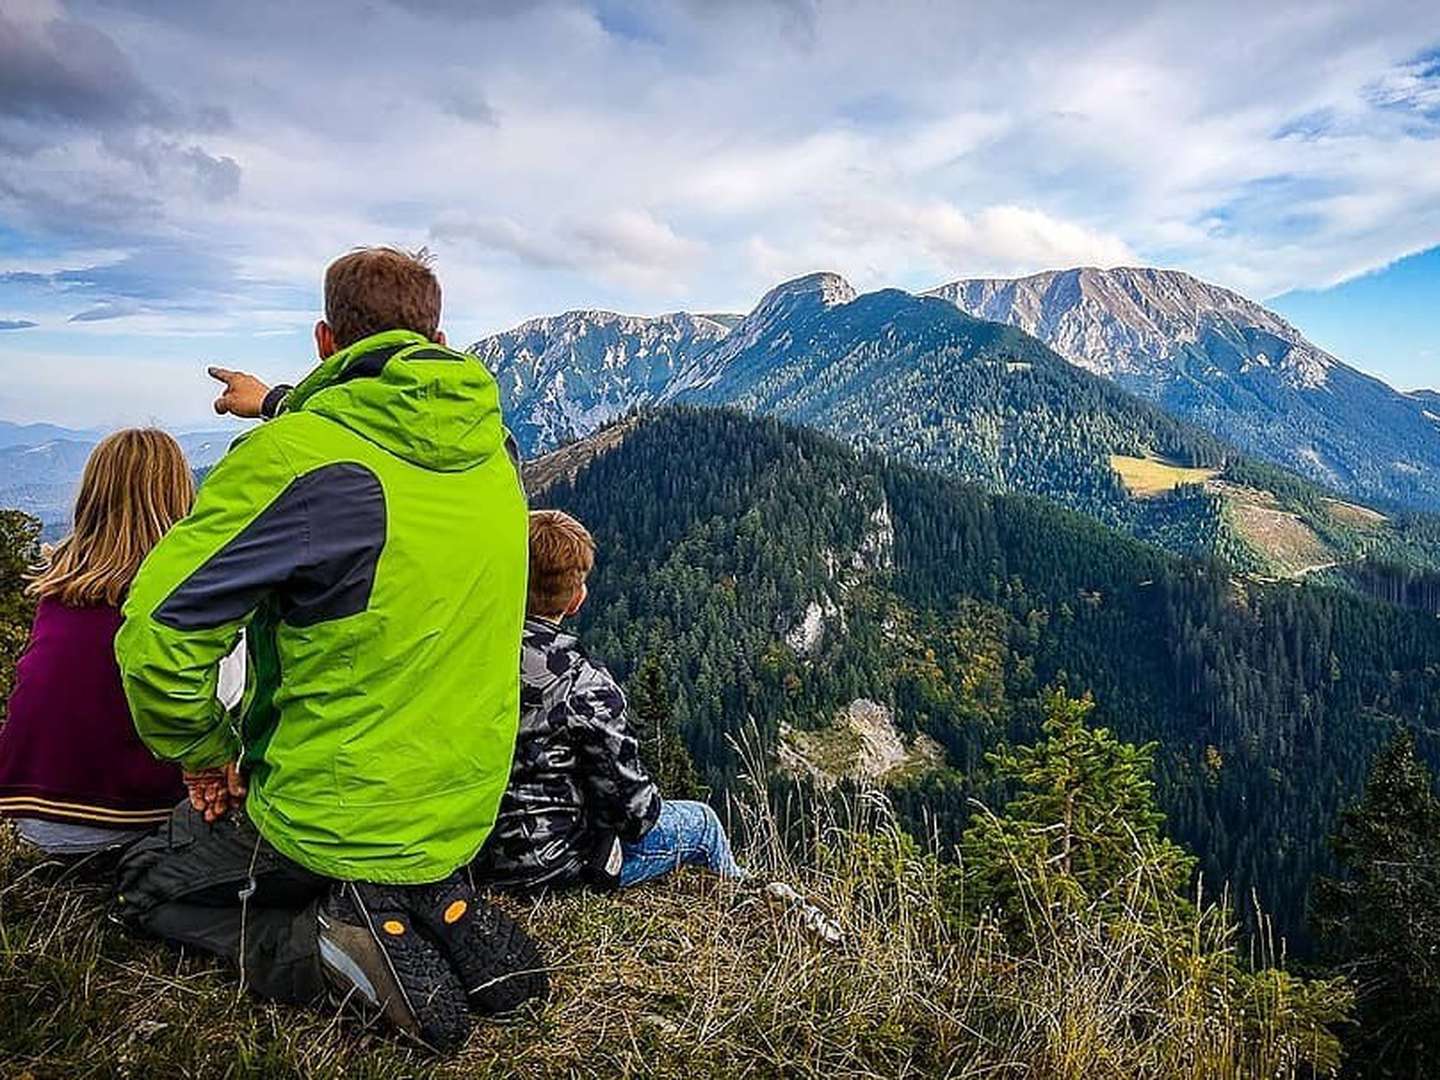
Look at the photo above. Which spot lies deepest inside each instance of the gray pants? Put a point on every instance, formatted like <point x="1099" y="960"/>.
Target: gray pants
<point x="222" y="889"/>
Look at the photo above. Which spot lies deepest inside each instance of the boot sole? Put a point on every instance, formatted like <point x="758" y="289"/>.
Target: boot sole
<point x="424" y="997"/>
<point x="499" y="964"/>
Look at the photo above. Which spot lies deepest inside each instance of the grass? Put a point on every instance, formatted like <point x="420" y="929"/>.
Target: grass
<point x="1290" y="546"/>
<point x="1150" y="476"/>
<point x="862" y="747"/>
<point x="1359" y="517"/>
<point x="830" y="753"/>
<point x="690" y="978"/>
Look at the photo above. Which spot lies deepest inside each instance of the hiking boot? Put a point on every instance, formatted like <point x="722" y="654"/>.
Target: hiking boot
<point x="375" y="958"/>
<point x="497" y="962"/>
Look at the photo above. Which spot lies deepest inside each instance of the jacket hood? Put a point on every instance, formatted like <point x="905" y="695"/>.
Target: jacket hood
<point x="428" y="404"/>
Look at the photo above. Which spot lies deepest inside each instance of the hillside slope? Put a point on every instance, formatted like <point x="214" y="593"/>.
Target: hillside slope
<point x="1230" y="365"/>
<point x="782" y="577"/>
<point x="683" y="979"/>
<point x="915" y="378"/>
<point x="912" y="378"/>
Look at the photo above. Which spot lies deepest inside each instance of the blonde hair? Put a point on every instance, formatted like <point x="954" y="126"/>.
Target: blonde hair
<point x="135" y="486"/>
<point x="562" y="553"/>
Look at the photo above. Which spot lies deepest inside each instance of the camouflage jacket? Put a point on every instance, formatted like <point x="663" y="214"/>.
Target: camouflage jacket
<point x="576" y="785"/>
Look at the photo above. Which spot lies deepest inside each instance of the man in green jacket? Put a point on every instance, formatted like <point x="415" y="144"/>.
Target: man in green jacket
<point x="370" y="537"/>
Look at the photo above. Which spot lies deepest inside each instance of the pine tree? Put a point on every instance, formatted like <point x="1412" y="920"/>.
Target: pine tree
<point x="662" y="749"/>
<point x="1083" y="828"/>
<point x="19" y="538"/>
<point x="1380" y="924"/>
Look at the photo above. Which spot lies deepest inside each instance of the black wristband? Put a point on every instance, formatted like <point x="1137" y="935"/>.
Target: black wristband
<point x="273" y="400"/>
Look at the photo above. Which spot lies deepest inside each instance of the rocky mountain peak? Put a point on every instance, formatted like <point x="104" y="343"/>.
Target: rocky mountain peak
<point x="565" y="375"/>
<point x="830" y="289"/>
<point x="781" y="306"/>
<point x="1129" y="322"/>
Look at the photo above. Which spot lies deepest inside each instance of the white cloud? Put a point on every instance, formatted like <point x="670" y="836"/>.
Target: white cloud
<point x="559" y="156"/>
<point x="1015" y="239"/>
<point x="627" y="246"/>
<point x="734" y="179"/>
<point x="936" y="241"/>
<point x="501" y="234"/>
<point x="636" y="249"/>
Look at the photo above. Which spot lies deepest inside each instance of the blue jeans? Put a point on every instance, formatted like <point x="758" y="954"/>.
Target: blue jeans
<point x="685" y="834"/>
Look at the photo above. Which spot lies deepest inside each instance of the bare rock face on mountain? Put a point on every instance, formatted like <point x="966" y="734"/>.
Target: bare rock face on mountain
<point x="1129" y="323"/>
<point x="1210" y="355"/>
<point x="860" y="745"/>
<point x="563" y="376"/>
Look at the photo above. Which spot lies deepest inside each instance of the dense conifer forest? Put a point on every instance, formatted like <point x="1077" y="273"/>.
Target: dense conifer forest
<point x="958" y="609"/>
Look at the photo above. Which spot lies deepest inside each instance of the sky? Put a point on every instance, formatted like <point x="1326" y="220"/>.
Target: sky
<point x="175" y="176"/>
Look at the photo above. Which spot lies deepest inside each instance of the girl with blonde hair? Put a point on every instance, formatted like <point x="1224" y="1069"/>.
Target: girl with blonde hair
<point x="73" y="773"/>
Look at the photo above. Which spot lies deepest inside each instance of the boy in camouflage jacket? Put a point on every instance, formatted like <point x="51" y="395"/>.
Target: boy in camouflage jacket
<point x="580" y="807"/>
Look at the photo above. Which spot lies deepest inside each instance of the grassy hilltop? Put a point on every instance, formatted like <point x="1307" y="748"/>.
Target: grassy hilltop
<point x="697" y="978"/>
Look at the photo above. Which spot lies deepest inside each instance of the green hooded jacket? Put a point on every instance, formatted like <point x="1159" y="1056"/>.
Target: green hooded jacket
<point x="373" y="539"/>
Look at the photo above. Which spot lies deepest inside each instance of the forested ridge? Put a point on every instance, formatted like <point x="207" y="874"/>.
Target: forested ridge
<point x="958" y="608"/>
<point x="916" y="379"/>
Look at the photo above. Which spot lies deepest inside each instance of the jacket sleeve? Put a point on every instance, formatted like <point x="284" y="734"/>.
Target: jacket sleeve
<point x="194" y="593"/>
<point x="619" y="793"/>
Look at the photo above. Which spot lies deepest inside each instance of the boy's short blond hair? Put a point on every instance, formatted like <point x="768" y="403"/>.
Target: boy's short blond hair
<point x="562" y="553"/>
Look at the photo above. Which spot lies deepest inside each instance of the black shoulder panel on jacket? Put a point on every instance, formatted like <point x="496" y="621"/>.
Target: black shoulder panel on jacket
<point x="368" y="365"/>
<point x="315" y="549"/>
<point x="433" y="353"/>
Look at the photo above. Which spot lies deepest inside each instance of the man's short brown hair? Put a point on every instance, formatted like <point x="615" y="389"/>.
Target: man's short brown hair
<point x="562" y="552"/>
<point x="374" y="289"/>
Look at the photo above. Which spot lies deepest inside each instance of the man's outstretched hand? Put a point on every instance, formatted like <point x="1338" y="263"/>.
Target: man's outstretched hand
<point x="243" y="394"/>
<point x="214" y="791"/>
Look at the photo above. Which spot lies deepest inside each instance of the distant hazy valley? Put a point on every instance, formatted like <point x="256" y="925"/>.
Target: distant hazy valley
<point x="40" y="466"/>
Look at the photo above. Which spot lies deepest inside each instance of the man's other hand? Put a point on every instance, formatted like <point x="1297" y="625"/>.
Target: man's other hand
<point x="214" y="791"/>
<point x="205" y="789"/>
<point x="243" y="394"/>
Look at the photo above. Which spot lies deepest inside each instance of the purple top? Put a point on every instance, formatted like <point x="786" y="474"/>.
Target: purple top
<point x="68" y="750"/>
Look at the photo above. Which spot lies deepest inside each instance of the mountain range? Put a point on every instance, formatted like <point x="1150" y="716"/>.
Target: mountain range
<point x="1230" y="365"/>
<point x="1155" y="402"/>
<point x="918" y="378"/>
<point x="566" y="375"/>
